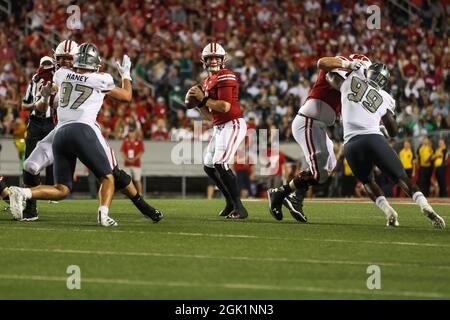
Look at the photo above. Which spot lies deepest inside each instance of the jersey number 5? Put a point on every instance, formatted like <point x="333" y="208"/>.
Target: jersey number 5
<point x="66" y="91"/>
<point x="373" y="99"/>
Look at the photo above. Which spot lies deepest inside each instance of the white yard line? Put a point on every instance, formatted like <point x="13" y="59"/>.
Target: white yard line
<point x="239" y="236"/>
<point x="239" y="286"/>
<point x="237" y="258"/>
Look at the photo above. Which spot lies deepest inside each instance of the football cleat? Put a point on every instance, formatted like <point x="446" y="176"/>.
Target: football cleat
<point x="240" y="213"/>
<point x="17" y="202"/>
<point x="294" y="203"/>
<point x="106" y="221"/>
<point x="30" y="213"/>
<point x="392" y="217"/>
<point x="276" y="196"/>
<point x="436" y="220"/>
<point x="148" y="211"/>
<point x="155" y="215"/>
<point x="226" y="211"/>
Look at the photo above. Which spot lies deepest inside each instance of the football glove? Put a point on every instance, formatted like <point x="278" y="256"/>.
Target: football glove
<point x="125" y="67"/>
<point x="354" y="65"/>
<point x="46" y="90"/>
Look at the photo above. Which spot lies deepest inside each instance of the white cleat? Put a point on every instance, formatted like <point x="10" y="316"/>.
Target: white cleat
<point x="16" y="202"/>
<point x="392" y="219"/>
<point x="436" y="220"/>
<point x="106" y="221"/>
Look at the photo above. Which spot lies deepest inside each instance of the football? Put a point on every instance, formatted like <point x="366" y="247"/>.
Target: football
<point x="191" y="101"/>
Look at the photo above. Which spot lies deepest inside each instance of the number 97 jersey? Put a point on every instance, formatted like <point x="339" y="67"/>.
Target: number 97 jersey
<point x="363" y="106"/>
<point x="81" y="95"/>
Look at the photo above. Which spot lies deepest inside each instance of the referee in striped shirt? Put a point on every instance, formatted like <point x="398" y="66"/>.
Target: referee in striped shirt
<point x="39" y="125"/>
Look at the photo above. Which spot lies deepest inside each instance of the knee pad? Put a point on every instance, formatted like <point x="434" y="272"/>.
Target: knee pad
<point x="121" y="178"/>
<point x="31" y="180"/>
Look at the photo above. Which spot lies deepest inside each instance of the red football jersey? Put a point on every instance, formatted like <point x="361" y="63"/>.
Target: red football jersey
<point x="322" y="90"/>
<point x="223" y="85"/>
<point x="131" y="149"/>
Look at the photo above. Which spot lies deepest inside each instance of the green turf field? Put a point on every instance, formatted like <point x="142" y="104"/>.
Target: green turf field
<point x="194" y="254"/>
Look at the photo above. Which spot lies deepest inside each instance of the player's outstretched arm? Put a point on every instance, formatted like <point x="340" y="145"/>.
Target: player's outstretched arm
<point x="330" y="63"/>
<point x="125" y="93"/>
<point x="390" y="124"/>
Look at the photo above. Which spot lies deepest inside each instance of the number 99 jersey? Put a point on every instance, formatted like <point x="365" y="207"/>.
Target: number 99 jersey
<point x="363" y="106"/>
<point x="81" y="95"/>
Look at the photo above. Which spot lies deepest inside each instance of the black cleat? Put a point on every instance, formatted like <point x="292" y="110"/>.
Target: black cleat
<point x="294" y="203"/>
<point x="276" y="196"/>
<point x="30" y="212"/>
<point x="226" y="211"/>
<point x="154" y="214"/>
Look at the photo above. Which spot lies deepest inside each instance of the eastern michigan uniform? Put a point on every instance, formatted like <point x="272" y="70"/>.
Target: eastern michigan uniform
<point x="363" y="106"/>
<point x="77" y="135"/>
<point x="229" y="127"/>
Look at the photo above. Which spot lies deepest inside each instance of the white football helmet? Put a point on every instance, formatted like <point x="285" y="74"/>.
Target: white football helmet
<point x="366" y="61"/>
<point x="344" y="72"/>
<point x="214" y="49"/>
<point x="64" y="52"/>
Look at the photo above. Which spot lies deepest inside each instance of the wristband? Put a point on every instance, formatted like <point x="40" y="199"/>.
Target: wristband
<point x="203" y="103"/>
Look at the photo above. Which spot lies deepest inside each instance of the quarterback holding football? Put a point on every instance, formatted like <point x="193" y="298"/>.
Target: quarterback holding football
<point x="217" y="99"/>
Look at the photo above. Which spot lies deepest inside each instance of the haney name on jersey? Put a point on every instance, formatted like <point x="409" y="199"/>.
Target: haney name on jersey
<point x="76" y="77"/>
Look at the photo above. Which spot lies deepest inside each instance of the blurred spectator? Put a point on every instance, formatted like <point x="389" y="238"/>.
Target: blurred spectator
<point x="440" y="163"/>
<point x="424" y="157"/>
<point x="132" y="150"/>
<point x="160" y="132"/>
<point x="407" y="157"/>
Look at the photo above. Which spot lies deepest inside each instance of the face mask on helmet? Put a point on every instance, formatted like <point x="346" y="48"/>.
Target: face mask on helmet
<point x="64" y="61"/>
<point x="87" y="58"/>
<point x="211" y="51"/>
<point x="214" y="63"/>
<point x="64" y="53"/>
<point x="378" y="75"/>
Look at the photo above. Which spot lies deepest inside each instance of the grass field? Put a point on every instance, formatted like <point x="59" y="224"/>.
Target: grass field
<point x="194" y="254"/>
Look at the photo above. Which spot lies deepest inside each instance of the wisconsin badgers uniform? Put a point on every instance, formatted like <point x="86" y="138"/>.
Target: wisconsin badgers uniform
<point x="319" y="111"/>
<point x="229" y="127"/>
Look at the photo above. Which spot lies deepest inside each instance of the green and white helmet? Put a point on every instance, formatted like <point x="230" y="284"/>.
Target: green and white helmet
<point x="378" y="75"/>
<point x="87" y="57"/>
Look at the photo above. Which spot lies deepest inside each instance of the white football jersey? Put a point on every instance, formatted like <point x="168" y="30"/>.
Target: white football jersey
<point x="363" y="106"/>
<point x="80" y="95"/>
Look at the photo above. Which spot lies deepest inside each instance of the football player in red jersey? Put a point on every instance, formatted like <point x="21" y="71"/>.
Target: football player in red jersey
<point x="319" y="111"/>
<point x="219" y="101"/>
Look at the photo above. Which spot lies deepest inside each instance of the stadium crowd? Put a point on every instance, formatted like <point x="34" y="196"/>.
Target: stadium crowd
<point x="273" y="47"/>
